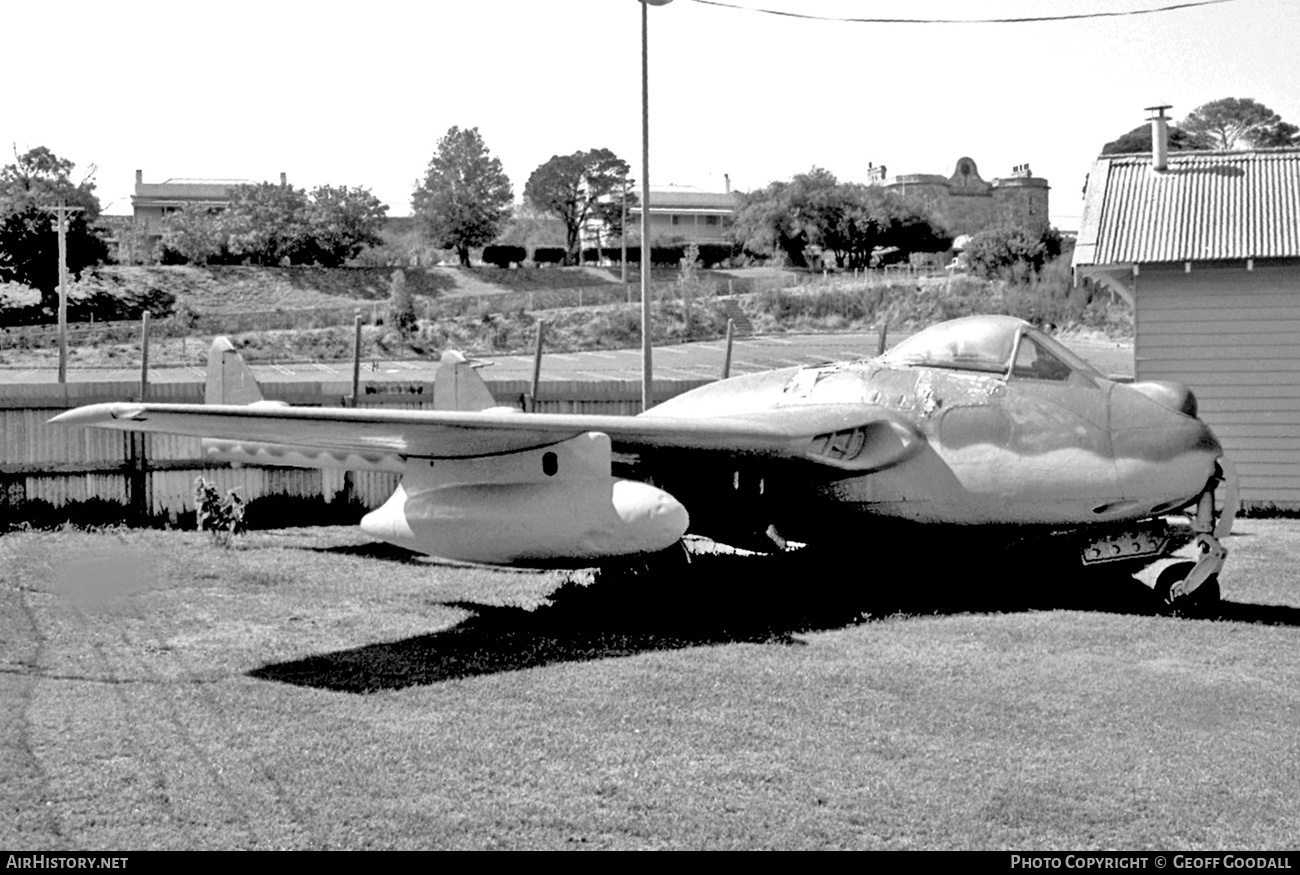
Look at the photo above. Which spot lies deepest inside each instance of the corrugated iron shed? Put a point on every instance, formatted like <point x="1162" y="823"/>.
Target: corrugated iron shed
<point x="1206" y="206"/>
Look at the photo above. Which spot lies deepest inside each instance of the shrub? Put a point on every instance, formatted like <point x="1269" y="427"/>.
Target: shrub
<point x="667" y="256"/>
<point x="504" y="256"/>
<point x="549" y="255"/>
<point x="401" y="307"/>
<point x="222" y="518"/>
<point x="1011" y="252"/>
<point x="713" y="254"/>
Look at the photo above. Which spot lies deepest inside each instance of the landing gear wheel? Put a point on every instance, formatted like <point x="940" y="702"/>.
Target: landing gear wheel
<point x="1203" y="602"/>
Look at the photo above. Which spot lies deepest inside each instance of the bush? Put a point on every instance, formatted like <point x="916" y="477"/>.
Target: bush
<point x="548" y="255"/>
<point x="401" y="307"/>
<point x="849" y="305"/>
<point x="713" y="254"/>
<point x="223" y="519"/>
<point x="667" y="256"/>
<point x="504" y="256"/>
<point x="1011" y="252"/>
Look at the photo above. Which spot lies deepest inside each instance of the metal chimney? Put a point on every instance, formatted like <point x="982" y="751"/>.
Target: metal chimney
<point x="727" y="178"/>
<point x="1159" y="138"/>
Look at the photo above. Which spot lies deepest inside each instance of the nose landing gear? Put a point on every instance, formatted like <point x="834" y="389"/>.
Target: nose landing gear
<point x="1192" y="588"/>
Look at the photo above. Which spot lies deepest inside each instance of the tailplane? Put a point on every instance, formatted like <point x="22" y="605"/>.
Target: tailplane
<point x="230" y="379"/>
<point x="457" y="385"/>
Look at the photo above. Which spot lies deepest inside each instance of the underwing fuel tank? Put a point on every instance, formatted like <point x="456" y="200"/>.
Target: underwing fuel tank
<point x="550" y="506"/>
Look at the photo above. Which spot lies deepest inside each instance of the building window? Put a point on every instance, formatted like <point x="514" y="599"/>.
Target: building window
<point x="677" y="220"/>
<point x="710" y="220"/>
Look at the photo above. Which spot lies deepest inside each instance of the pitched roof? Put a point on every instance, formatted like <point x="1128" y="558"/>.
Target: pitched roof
<point x="218" y="189"/>
<point x="1205" y="206"/>
<point x="664" y="199"/>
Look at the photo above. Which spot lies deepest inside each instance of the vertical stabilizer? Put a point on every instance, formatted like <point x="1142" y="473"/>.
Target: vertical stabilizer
<point x="230" y="380"/>
<point x="457" y="385"/>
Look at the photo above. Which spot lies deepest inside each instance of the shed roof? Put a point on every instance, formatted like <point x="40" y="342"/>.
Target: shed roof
<point x="1205" y="206"/>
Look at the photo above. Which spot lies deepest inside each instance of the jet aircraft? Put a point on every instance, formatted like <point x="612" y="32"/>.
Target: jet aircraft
<point x="985" y="426"/>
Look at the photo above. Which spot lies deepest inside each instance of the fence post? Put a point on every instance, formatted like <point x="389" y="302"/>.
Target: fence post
<point x="726" y="361"/>
<point x="356" y="361"/>
<point x="144" y="358"/>
<point x="686" y="307"/>
<point x="138" y="442"/>
<point x="537" y="366"/>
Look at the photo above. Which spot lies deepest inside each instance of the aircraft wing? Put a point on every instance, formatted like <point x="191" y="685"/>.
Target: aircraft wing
<point x="849" y="437"/>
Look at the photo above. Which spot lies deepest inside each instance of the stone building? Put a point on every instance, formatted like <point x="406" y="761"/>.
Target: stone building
<point x="969" y="203"/>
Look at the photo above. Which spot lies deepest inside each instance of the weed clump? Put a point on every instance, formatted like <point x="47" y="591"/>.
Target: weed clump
<point x="222" y="518"/>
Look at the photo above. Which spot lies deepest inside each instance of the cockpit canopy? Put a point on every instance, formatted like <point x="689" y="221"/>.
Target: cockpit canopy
<point x="1000" y="345"/>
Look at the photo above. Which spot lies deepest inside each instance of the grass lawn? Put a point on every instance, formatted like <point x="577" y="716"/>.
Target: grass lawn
<point x="311" y="690"/>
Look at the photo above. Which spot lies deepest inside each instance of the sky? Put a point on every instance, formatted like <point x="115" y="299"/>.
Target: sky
<point x="358" y="94"/>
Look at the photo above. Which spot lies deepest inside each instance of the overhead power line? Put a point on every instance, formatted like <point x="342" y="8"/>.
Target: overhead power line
<point x="1028" y="19"/>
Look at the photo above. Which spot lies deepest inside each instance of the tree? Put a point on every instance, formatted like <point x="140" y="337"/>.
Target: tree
<point x="1232" y="120"/>
<point x="578" y="187"/>
<point x="1139" y="140"/>
<point x="530" y="228"/>
<point x="465" y="197"/>
<point x="341" y="222"/>
<point x="194" y="235"/>
<point x="29" y="247"/>
<point x="849" y="220"/>
<point x="267" y="223"/>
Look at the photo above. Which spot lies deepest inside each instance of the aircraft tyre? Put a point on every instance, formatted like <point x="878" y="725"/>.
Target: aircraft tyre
<point x="1203" y="602"/>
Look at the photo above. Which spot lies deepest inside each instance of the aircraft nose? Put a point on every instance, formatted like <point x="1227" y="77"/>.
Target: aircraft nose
<point x="1164" y="453"/>
<point x="1169" y="394"/>
<point x="1158" y="420"/>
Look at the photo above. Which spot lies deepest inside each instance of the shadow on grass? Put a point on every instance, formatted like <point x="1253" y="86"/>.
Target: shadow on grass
<point x="714" y="600"/>
<point x="374" y="550"/>
<point x="390" y="553"/>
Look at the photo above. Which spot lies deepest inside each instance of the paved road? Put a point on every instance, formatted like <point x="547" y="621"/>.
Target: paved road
<point x="684" y="361"/>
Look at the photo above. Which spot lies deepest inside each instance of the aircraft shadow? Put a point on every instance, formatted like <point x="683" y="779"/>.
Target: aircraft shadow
<point x="374" y="550"/>
<point x="715" y="600"/>
<point x="390" y="553"/>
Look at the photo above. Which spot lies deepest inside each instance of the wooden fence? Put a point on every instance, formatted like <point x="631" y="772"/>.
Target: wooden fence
<point x="51" y="473"/>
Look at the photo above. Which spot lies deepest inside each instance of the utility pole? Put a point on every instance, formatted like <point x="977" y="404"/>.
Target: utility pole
<point x="622" y="258"/>
<point x="61" y="213"/>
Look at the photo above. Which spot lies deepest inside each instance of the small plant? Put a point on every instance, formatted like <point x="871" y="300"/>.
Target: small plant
<point x="222" y="518"/>
<point x="401" y="307"/>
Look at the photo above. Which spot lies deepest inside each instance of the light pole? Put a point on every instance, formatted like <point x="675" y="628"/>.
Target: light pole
<point x="646" y="364"/>
<point x="622" y="242"/>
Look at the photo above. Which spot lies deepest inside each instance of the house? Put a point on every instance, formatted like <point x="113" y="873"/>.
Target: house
<point x="688" y="214"/>
<point x="967" y="203"/>
<point x="154" y="200"/>
<point x="1206" y="247"/>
